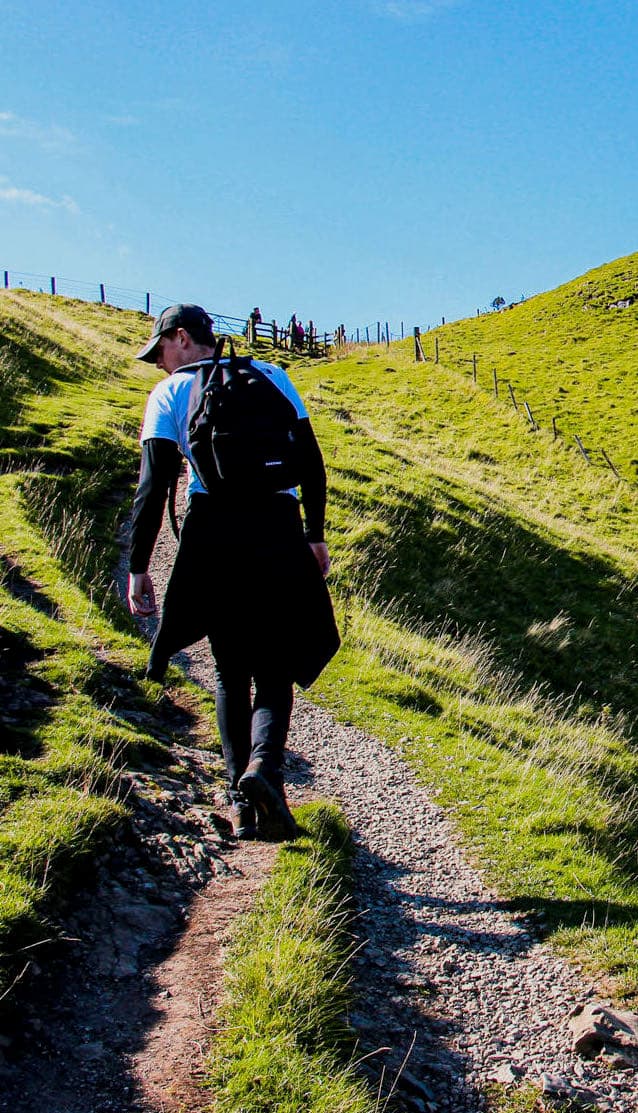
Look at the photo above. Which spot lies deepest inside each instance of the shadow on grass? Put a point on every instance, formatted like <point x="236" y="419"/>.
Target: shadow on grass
<point x="159" y="724"/>
<point x="551" y="914"/>
<point x="564" y="617"/>
<point x="25" y="700"/>
<point x="42" y="372"/>
<point x="24" y="589"/>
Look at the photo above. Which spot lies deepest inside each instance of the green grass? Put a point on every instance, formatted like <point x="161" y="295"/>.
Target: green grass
<point x="74" y="707"/>
<point x="569" y="353"/>
<point x="284" y="1043"/>
<point x="501" y="1099"/>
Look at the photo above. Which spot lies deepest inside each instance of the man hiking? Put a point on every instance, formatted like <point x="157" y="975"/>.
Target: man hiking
<point x="245" y="575"/>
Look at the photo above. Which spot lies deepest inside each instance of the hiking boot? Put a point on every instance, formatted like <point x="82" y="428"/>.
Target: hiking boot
<point x="274" y="818"/>
<point x="244" y="821"/>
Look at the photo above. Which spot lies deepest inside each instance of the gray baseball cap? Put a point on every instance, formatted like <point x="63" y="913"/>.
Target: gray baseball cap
<point x="190" y="317"/>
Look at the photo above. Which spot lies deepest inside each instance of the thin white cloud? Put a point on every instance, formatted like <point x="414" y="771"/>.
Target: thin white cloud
<point x="412" y="11"/>
<point x="16" y="195"/>
<point x="123" y="121"/>
<point x="51" y="137"/>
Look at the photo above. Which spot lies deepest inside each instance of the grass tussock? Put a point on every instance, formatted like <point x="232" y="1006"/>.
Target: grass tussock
<point x="285" y="1042"/>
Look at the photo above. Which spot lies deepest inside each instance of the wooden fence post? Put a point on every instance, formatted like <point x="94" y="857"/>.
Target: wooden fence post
<point x="418" y="350"/>
<point x="442" y="320"/>
<point x="378" y="332"/>
<point x="582" y="448"/>
<point x="495" y="377"/>
<point x="102" y="294"/>
<point x="614" y="469"/>
<point x="148" y="305"/>
<point x="554" y="428"/>
<point x="357" y="336"/>
<point x="474" y="371"/>
<point x="367" y="334"/>
<point x="531" y="417"/>
<point x="311" y="335"/>
<point x="6" y="280"/>
<point x="512" y="396"/>
<point x="402" y="330"/>
<point x="387" y="334"/>
<point x="274" y="334"/>
<point x="52" y="285"/>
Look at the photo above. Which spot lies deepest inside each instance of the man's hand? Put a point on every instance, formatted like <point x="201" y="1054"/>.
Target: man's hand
<point x="320" y="550"/>
<point x="141" y="594"/>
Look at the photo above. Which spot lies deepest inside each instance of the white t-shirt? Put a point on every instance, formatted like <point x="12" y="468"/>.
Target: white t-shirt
<point x="166" y="413"/>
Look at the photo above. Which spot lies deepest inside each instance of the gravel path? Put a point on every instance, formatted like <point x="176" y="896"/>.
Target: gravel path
<point x="444" y="960"/>
<point x="444" y="969"/>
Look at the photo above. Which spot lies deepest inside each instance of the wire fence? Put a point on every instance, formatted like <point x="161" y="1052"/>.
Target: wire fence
<point x="503" y="390"/>
<point x="144" y="302"/>
<point x="151" y="303"/>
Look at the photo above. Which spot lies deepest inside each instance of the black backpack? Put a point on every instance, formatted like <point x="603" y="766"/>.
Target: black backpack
<point x="241" y="428"/>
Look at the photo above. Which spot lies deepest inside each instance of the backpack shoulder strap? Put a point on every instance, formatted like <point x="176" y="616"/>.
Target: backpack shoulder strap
<point x="172" y="490"/>
<point x="215" y="360"/>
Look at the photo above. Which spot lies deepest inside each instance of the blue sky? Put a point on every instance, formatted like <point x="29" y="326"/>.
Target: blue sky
<point x="350" y="161"/>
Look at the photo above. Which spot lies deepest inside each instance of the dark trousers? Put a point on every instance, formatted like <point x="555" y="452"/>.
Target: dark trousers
<point x="253" y="725"/>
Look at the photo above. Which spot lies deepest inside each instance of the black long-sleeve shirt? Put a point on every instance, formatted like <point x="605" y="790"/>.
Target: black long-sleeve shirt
<point x="160" y="464"/>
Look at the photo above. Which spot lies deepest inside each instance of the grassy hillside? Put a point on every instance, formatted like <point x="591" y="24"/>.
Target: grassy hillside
<point x="570" y="353"/>
<point x="485" y="578"/>
<point x="488" y="583"/>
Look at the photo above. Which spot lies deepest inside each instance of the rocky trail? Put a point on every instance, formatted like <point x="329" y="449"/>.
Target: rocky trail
<point x="445" y="974"/>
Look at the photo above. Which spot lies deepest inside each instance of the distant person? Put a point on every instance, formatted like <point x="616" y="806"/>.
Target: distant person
<point x="301" y="335"/>
<point x="245" y="575"/>
<point x="292" y="332"/>
<point x="254" y="319"/>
